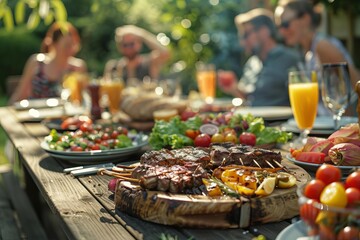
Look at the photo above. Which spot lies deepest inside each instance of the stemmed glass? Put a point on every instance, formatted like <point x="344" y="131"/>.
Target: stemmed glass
<point x="336" y="89"/>
<point x="304" y="97"/>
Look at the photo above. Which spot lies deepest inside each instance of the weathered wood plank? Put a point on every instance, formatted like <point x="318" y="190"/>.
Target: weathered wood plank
<point x="8" y="224"/>
<point x="29" y="222"/>
<point x="81" y="215"/>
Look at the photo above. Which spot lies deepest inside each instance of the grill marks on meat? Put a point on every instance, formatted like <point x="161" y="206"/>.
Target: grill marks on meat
<point x="174" y="179"/>
<point x="231" y="154"/>
<point x="182" y="170"/>
<point x="245" y="155"/>
<point x="184" y="156"/>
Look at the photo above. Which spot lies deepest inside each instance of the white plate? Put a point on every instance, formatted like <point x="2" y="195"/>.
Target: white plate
<point x="312" y="167"/>
<point x="100" y="156"/>
<point x="34" y="114"/>
<point x="293" y="231"/>
<point x="268" y="113"/>
<point x="37" y="103"/>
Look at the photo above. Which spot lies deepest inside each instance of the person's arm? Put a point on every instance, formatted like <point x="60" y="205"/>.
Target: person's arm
<point x="24" y="88"/>
<point x="109" y="68"/>
<point x="227" y="82"/>
<point x="329" y="53"/>
<point x="159" y="53"/>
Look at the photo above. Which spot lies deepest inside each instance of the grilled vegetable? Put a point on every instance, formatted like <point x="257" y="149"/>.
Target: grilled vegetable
<point x="345" y="154"/>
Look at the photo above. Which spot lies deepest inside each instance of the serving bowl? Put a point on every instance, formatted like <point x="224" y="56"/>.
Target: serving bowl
<point x="326" y="222"/>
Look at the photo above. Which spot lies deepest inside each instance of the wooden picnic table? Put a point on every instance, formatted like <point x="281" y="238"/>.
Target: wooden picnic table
<point x="82" y="207"/>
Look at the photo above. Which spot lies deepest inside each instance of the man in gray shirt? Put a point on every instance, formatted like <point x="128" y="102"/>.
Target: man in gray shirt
<point x="265" y="74"/>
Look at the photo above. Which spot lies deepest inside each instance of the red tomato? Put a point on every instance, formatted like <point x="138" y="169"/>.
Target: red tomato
<point x="114" y="134"/>
<point x="76" y="148"/>
<point x="123" y="130"/>
<point x="95" y="147"/>
<point x="202" y="140"/>
<point x="328" y="173"/>
<point x="86" y="127"/>
<point x="105" y="136"/>
<point x="348" y="232"/>
<point x="308" y="212"/>
<point x="191" y="133"/>
<point x="314" y="188"/>
<point x="353" y="196"/>
<point x="247" y="138"/>
<point x="310" y="157"/>
<point x="353" y="180"/>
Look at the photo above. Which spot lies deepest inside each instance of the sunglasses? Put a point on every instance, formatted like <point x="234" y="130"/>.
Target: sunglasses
<point x="286" y="24"/>
<point x="128" y="45"/>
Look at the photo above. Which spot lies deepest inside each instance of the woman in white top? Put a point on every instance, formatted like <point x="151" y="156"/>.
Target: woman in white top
<point x="298" y="23"/>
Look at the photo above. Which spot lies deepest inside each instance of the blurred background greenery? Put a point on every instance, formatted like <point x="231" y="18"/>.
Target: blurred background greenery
<point x="196" y="30"/>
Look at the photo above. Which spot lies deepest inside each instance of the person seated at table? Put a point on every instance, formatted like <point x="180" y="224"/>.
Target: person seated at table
<point x="133" y="64"/>
<point x="298" y="23"/>
<point x="43" y="72"/>
<point x="265" y="74"/>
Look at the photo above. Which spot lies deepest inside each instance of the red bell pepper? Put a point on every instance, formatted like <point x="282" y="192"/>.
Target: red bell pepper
<point x="311" y="157"/>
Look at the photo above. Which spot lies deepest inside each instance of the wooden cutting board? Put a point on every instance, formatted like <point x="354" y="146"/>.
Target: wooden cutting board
<point x="205" y="212"/>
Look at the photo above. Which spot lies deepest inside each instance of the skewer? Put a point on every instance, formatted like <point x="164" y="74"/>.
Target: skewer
<point x="103" y="171"/>
<point x="257" y="163"/>
<point x="122" y="170"/>
<point x="286" y="169"/>
<point x="241" y="161"/>
<point x="250" y="168"/>
<point x="269" y="164"/>
<point x="125" y="166"/>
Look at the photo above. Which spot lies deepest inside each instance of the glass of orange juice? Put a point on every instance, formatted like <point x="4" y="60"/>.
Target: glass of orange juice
<point x="206" y="81"/>
<point x="76" y="82"/>
<point x="112" y="89"/>
<point x="304" y="97"/>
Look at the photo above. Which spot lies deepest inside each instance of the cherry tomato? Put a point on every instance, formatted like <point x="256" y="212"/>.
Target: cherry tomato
<point x="191" y="133"/>
<point x="86" y="127"/>
<point x="247" y="138"/>
<point x="230" y="137"/>
<point x="105" y="136"/>
<point x="95" y="147"/>
<point x="334" y="195"/>
<point x="328" y="173"/>
<point x="310" y="157"/>
<point x="76" y="148"/>
<point x="308" y="212"/>
<point x="353" y="196"/>
<point x="348" y="232"/>
<point x="114" y="134"/>
<point x="314" y="188"/>
<point x="217" y="138"/>
<point x="123" y="130"/>
<point x="353" y="180"/>
<point x="202" y="140"/>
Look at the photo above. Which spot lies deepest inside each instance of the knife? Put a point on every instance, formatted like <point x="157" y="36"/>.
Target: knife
<point x="69" y="170"/>
<point x="90" y="170"/>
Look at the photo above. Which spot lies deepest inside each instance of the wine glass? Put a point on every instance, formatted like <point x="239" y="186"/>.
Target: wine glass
<point x="336" y="89"/>
<point x="304" y="96"/>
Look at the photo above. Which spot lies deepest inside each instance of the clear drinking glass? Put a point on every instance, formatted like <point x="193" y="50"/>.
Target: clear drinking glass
<point x="304" y="96"/>
<point x="336" y="89"/>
